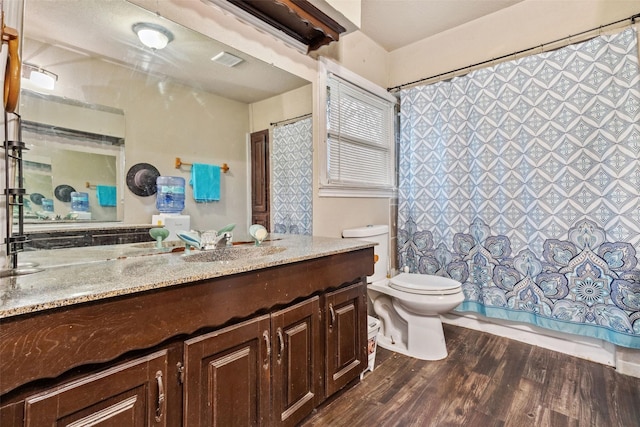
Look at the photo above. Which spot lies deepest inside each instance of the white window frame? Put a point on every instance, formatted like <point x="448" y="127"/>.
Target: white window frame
<point x="327" y="188"/>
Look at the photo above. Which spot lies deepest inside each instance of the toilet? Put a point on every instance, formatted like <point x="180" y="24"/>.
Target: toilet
<point x="408" y="305"/>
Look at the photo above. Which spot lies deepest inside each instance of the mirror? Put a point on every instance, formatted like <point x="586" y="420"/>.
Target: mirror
<point x="174" y="102"/>
<point x="61" y="158"/>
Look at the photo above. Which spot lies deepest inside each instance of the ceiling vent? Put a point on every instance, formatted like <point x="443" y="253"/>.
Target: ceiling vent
<point x="227" y="59"/>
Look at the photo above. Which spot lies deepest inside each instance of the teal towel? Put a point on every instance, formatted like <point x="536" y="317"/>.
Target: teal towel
<point x="205" y="180"/>
<point x="106" y="195"/>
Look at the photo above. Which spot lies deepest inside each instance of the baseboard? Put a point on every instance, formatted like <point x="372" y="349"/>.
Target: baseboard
<point x="628" y="361"/>
<point x="584" y="347"/>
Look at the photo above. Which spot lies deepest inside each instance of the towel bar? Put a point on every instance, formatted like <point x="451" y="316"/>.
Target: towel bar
<point x="224" y="167"/>
<point x="90" y="186"/>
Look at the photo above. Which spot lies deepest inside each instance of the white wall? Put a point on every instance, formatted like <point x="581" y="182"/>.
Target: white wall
<point x="524" y="25"/>
<point x="163" y="121"/>
<point x="205" y="129"/>
<point x="330" y="215"/>
<point x="288" y="105"/>
<point x="360" y="54"/>
<point x="74" y="168"/>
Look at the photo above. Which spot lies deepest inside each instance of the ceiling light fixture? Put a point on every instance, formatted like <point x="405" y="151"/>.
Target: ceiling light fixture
<point x="153" y="36"/>
<point x="227" y="59"/>
<point x="39" y="76"/>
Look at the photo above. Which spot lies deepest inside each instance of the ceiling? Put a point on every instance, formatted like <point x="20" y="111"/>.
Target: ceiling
<point x="394" y="24"/>
<point x="103" y="29"/>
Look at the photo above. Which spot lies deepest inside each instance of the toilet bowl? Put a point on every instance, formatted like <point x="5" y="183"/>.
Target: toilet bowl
<point x="408" y="305"/>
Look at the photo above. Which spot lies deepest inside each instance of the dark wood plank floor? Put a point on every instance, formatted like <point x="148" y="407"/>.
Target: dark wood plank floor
<point x="486" y="381"/>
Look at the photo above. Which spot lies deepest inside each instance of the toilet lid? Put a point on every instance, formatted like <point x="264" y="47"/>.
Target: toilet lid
<point x="424" y="284"/>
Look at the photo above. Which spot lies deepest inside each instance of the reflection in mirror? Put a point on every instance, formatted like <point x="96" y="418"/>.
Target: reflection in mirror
<point x="60" y="156"/>
<point x="177" y="102"/>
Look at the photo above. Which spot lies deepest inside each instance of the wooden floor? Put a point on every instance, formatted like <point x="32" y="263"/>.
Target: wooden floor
<point x="486" y="381"/>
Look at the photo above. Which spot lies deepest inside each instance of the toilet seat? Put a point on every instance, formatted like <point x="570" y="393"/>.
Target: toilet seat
<point x="421" y="285"/>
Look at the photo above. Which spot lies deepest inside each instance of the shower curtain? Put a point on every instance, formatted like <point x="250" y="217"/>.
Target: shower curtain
<point x="291" y="161"/>
<point x="522" y="181"/>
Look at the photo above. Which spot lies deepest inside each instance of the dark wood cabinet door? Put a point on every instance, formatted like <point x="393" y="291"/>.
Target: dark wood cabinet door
<point x="346" y="336"/>
<point x="130" y="394"/>
<point x="260" y="190"/>
<point x="227" y="376"/>
<point x="12" y="415"/>
<point x="296" y="359"/>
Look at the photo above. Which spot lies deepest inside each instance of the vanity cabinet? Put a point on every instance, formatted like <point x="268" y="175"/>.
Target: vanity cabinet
<point x="296" y="354"/>
<point x="129" y="394"/>
<point x="261" y="372"/>
<point x="264" y="347"/>
<point x="346" y="345"/>
<point x="227" y="377"/>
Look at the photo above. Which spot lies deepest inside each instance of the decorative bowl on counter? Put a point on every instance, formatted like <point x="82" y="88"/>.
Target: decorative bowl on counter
<point x="258" y="233"/>
<point x="190" y="239"/>
<point x="159" y="234"/>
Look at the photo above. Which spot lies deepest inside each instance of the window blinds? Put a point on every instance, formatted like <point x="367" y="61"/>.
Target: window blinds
<point x="359" y="136"/>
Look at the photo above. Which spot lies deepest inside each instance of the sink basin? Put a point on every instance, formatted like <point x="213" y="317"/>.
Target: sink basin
<point x="233" y="253"/>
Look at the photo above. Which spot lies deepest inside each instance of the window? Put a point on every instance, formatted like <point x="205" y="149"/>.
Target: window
<point x="357" y="158"/>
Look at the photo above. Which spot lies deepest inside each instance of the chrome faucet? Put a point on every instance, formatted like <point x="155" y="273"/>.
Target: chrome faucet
<point x="207" y="240"/>
<point x="224" y="239"/>
<point x="212" y="239"/>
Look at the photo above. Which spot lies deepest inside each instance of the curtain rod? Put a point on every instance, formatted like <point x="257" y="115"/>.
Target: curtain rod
<point x="304" y="116"/>
<point x="631" y="18"/>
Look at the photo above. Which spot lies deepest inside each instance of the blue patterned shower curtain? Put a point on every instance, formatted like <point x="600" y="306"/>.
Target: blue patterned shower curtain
<point x="292" y="169"/>
<point x="522" y="181"/>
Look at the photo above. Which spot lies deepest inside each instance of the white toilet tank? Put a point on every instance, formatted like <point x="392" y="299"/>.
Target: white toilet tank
<point x="380" y="235"/>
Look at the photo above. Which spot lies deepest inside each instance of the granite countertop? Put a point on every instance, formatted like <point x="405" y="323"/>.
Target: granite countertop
<point x="78" y="275"/>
